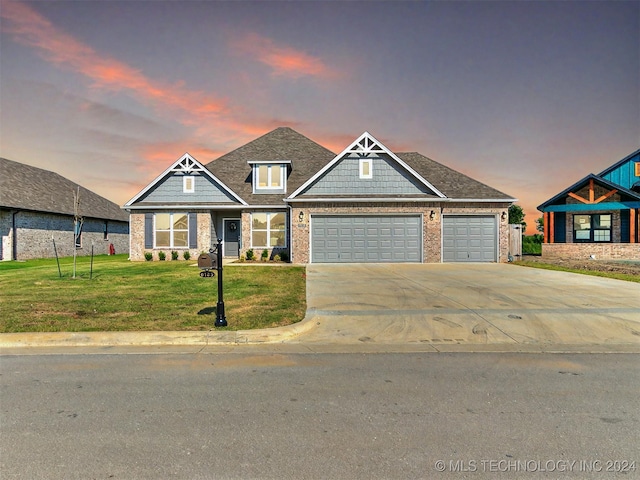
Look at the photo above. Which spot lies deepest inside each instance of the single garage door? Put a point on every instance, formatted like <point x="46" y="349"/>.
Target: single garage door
<point x="469" y="239"/>
<point x="365" y="238"/>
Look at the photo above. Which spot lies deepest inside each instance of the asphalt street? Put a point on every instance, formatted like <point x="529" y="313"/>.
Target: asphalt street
<point x="255" y="414"/>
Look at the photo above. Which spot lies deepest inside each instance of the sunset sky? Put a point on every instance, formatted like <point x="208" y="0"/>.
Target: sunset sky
<point x="528" y="97"/>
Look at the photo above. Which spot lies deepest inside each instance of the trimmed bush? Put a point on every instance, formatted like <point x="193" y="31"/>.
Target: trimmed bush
<point x="174" y="255"/>
<point x="265" y="255"/>
<point x="186" y="255"/>
<point x="162" y="256"/>
<point x="251" y="255"/>
<point x="148" y="256"/>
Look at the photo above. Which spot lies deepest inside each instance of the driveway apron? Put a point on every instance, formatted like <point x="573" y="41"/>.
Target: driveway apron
<point x="440" y="304"/>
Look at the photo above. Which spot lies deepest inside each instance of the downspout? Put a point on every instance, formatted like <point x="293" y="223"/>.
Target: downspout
<point x="290" y="233"/>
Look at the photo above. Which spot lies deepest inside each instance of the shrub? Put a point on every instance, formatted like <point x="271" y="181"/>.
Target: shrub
<point x="186" y="255"/>
<point x="250" y="254"/>
<point x="276" y="258"/>
<point x="162" y="256"/>
<point x="242" y="258"/>
<point x="148" y="256"/>
<point x="532" y="244"/>
<point x="265" y="255"/>
<point x="284" y="256"/>
<point x="174" y="255"/>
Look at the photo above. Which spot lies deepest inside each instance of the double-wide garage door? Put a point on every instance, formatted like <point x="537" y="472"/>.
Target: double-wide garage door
<point x="469" y="239"/>
<point x="366" y="238"/>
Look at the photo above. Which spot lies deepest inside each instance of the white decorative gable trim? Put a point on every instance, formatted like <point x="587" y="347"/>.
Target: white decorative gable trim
<point x="187" y="165"/>
<point x="365" y="145"/>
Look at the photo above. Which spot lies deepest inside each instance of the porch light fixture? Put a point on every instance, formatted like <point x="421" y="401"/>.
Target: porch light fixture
<point x="432" y="215"/>
<point x="504" y="215"/>
<point x="301" y="217"/>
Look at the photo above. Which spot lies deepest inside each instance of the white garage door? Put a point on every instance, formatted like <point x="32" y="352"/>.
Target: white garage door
<point x="366" y="238"/>
<point x="469" y="239"/>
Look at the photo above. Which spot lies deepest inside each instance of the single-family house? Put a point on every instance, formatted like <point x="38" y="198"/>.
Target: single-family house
<point x="596" y="217"/>
<point x="37" y="209"/>
<point x="286" y="194"/>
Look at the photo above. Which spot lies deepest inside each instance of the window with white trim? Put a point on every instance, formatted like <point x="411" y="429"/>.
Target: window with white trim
<point x="592" y="228"/>
<point x="268" y="177"/>
<point x="268" y="229"/>
<point x="637" y="172"/>
<point x="366" y="168"/>
<point x="188" y="184"/>
<point x="171" y="230"/>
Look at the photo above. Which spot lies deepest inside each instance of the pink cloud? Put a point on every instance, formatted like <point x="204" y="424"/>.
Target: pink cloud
<point x="30" y="28"/>
<point x="213" y="120"/>
<point x="283" y="60"/>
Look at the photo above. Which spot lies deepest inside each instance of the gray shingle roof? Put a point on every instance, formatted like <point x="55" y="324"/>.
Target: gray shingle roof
<point x="30" y="188"/>
<point x="283" y="143"/>
<point x="450" y="182"/>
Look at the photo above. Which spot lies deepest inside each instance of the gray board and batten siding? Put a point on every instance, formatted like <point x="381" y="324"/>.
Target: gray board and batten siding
<point x="366" y="238"/>
<point x="387" y="179"/>
<point x="206" y="191"/>
<point x="471" y="238"/>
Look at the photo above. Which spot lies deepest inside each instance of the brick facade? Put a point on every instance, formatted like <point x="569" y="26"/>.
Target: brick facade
<point x="601" y="251"/>
<point x="432" y="228"/>
<point x="35" y="231"/>
<point x="206" y="238"/>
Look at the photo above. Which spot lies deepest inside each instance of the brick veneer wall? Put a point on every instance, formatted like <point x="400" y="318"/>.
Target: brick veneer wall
<point x="432" y="229"/>
<point x="35" y="230"/>
<point x="137" y="250"/>
<point x="601" y="251"/>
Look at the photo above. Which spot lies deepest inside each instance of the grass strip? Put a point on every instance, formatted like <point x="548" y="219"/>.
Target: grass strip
<point x="596" y="273"/>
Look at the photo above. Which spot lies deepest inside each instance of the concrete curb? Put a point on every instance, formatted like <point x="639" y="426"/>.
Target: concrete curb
<point x="148" y="339"/>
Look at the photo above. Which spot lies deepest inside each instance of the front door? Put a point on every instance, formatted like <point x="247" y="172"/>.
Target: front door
<point x="231" y="237"/>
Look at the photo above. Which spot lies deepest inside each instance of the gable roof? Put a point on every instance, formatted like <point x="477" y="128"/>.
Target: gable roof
<point x="581" y="183"/>
<point x="186" y="164"/>
<point x="24" y="187"/>
<point x="282" y="144"/>
<point x="445" y="183"/>
<point x="364" y="145"/>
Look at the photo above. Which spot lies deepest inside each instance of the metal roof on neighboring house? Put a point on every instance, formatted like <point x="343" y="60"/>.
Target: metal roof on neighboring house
<point x="25" y="187"/>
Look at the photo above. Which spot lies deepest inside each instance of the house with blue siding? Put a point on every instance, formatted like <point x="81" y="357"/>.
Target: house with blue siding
<point x="596" y="217"/>
<point x="292" y="197"/>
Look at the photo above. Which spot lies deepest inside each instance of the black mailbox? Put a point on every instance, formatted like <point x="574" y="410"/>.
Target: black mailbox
<point x="207" y="261"/>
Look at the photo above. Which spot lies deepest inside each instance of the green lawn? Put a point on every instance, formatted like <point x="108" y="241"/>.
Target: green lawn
<point x="629" y="277"/>
<point x="144" y="296"/>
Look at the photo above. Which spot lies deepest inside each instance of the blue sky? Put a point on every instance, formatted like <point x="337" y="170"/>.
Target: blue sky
<point x="527" y="97"/>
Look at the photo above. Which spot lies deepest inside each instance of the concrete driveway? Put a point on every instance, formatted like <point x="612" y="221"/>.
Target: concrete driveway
<point x="445" y="305"/>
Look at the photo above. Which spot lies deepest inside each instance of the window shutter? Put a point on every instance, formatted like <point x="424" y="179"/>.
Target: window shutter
<point x="193" y="230"/>
<point x="148" y="230"/>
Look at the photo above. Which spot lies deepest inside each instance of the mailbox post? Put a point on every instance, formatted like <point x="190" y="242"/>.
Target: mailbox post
<point x="208" y="263"/>
<point x="221" y="319"/>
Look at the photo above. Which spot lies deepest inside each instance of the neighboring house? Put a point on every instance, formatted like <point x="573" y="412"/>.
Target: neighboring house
<point x="597" y="216"/>
<point x="286" y="194"/>
<point x="37" y="207"/>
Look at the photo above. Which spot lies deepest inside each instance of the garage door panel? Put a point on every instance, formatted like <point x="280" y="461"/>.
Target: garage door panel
<point x="469" y="239"/>
<point x="366" y="238"/>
